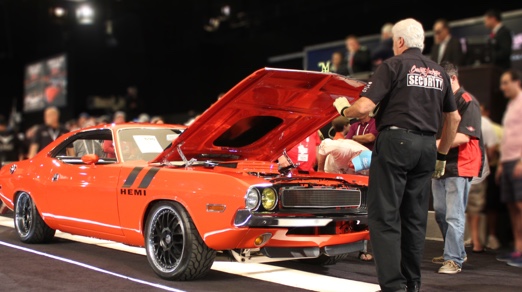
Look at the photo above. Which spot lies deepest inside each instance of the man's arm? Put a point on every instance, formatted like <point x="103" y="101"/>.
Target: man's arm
<point x="363" y="139"/>
<point x="360" y="108"/>
<point x="449" y="131"/>
<point x="33" y="149"/>
<point x="460" y="139"/>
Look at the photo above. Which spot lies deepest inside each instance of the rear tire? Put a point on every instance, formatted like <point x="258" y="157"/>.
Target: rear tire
<point x="174" y="248"/>
<point x="28" y="223"/>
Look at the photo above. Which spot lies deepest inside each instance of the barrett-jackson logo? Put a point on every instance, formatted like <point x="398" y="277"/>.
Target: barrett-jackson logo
<point x="425" y="77"/>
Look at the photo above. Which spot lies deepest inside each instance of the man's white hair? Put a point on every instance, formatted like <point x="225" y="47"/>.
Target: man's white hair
<point x="411" y="31"/>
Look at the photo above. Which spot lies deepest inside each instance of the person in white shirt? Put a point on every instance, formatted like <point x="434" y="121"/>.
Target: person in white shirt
<point x="339" y="156"/>
<point x="334" y="156"/>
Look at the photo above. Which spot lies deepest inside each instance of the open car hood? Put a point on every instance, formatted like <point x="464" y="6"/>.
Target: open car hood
<point x="269" y="111"/>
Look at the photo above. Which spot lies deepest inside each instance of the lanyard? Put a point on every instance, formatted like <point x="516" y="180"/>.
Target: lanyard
<point x="87" y="149"/>
<point x="53" y="134"/>
<point x="359" y="127"/>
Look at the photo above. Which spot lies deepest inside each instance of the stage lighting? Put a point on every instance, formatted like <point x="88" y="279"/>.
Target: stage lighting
<point x="225" y="10"/>
<point x="58" y="11"/>
<point x="85" y="14"/>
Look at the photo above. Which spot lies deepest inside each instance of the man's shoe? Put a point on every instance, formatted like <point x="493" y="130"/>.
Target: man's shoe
<point x="440" y="260"/>
<point x="517" y="262"/>
<point x="450" y="267"/>
<point x="493" y="242"/>
<point x="506" y="257"/>
<point x="413" y="287"/>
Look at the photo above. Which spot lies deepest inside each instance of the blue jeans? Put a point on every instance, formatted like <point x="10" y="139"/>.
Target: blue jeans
<point x="450" y="197"/>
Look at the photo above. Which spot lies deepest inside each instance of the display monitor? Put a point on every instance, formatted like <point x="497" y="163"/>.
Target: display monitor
<point x="45" y="83"/>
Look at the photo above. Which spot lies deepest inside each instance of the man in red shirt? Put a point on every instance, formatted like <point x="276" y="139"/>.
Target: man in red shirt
<point x="464" y="161"/>
<point x="363" y="131"/>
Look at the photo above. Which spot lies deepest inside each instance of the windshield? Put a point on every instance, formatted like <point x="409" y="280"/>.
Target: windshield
<point x="145" y="143"/>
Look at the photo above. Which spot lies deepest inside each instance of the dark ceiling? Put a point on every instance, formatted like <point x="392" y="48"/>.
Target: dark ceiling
<point x="163" y="48"/>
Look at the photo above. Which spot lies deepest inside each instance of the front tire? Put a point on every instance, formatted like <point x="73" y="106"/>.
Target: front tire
<point x="28" y="223"/>
<point x="175" y="250"/>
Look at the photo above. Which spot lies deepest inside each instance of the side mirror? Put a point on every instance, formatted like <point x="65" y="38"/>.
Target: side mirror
<point x="90" y="159"/>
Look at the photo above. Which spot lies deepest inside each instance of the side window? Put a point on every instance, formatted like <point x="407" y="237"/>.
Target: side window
<point x="88" y="146"/>
<point x="89" y="142"/>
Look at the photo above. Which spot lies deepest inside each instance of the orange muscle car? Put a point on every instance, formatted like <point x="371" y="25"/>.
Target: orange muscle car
<point x="189" y="194"/>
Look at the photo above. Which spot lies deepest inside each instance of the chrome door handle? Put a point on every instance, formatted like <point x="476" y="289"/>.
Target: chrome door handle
<point x="55" y="177"/>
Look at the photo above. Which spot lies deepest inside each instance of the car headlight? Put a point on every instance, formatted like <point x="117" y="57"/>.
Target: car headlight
<point x="269" y="199"/>
<point x="252" y="199"/>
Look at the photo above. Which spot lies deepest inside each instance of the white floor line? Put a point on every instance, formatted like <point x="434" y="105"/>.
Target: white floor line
<point x="268" y="273"/>
<point x="293" y="278"/>
<point x="66" y="260"/>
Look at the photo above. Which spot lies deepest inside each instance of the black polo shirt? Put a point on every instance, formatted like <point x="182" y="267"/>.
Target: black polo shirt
<point x="44" y="135"/>
<point x="411" y="91"/>
<point x="466" y="159"/>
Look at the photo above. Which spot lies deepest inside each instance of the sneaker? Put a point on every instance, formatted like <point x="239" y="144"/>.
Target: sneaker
<point x="505" y="257"/>
<point x="440" y="260"/>
<point x="450" y="267"/>
<point x="493" y="242"/>
<point x="516" y="262"/>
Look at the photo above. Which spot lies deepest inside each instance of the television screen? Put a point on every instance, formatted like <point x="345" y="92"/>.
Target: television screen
<point x="45" y="84"/>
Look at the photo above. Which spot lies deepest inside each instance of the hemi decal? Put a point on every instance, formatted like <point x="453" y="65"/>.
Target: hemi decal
<point x="145" y="182"/>
<point x="132" y="177"/>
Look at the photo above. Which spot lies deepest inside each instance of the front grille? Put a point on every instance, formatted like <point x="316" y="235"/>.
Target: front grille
<point x="320" y="198"/>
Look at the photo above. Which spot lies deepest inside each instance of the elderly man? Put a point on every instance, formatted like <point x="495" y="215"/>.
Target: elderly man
<point x="413" y="93"/>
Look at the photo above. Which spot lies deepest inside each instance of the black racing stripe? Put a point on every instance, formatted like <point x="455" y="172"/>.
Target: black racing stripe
<point x="145" y="182"/>
<point x="132" y="177"/>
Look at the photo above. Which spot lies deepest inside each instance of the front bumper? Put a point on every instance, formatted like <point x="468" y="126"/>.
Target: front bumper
<point x="312" y="252"/>
<point x="245" y="218"/>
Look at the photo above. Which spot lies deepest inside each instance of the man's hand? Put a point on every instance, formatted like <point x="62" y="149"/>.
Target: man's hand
<point x="440" y="165"/>
<point x="341" y="103"/>
<point x="440" y="168"/>
<point x="283" y="162"/>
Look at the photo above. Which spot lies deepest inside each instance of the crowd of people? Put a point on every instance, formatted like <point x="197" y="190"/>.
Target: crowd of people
<point x="357" y="59"/>
<point x="418" y="134"/>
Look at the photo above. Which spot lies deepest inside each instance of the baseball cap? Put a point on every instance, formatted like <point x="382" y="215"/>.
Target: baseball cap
<point x="362" y="161"/>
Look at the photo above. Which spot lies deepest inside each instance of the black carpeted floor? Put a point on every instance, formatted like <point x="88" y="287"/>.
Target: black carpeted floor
<point x="22" y="271"/>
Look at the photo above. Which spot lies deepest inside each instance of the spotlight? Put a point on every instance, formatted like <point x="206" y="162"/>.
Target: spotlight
<point x="225" y="10"/>
<point x="85" y="14"/>
<point x="58" y="11"/>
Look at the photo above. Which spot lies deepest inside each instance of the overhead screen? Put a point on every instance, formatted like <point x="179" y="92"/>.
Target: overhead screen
<point x="45" y="84"/>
